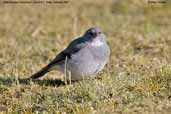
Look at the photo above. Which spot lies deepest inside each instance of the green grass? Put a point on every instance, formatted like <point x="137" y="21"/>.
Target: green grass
<point x="137" y="80"/>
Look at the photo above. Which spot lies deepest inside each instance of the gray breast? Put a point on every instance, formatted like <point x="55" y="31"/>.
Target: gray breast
<point x="87" y="62"/>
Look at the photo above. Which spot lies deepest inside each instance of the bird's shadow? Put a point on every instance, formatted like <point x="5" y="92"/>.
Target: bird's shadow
<point x="43" y="82"/>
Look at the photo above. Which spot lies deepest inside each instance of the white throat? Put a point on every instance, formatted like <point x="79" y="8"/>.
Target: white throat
<point x="97" y="43"/>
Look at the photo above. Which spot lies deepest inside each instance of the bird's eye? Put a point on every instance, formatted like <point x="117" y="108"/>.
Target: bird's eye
<point x="91" y="33"/>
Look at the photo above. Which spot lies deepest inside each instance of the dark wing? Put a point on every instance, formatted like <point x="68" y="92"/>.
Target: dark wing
<point x="60" y="57"/>
<point x="73" y="47"/>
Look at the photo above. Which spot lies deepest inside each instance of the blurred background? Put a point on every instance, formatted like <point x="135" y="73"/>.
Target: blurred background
<point x="137" y="80"/>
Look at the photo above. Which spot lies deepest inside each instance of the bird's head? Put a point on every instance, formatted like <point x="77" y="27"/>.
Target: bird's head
<point x="96" y="36"/>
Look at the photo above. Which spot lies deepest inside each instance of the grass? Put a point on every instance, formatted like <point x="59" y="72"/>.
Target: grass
<point x="137" y="80"/>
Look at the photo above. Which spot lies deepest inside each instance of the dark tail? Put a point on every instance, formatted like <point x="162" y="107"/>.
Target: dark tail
<point x="40" y="73"/>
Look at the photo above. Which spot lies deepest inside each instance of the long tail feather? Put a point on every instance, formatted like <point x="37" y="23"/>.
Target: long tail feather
<point x="40" y="73"/>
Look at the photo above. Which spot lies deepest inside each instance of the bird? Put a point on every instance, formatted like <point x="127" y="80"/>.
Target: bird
<point x="83" y="58"/>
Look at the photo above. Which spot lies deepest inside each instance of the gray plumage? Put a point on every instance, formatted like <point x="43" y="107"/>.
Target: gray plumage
<point x="83" y="58"/>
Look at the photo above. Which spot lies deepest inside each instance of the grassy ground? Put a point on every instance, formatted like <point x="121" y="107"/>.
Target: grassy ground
<point x="137" y="81"/>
